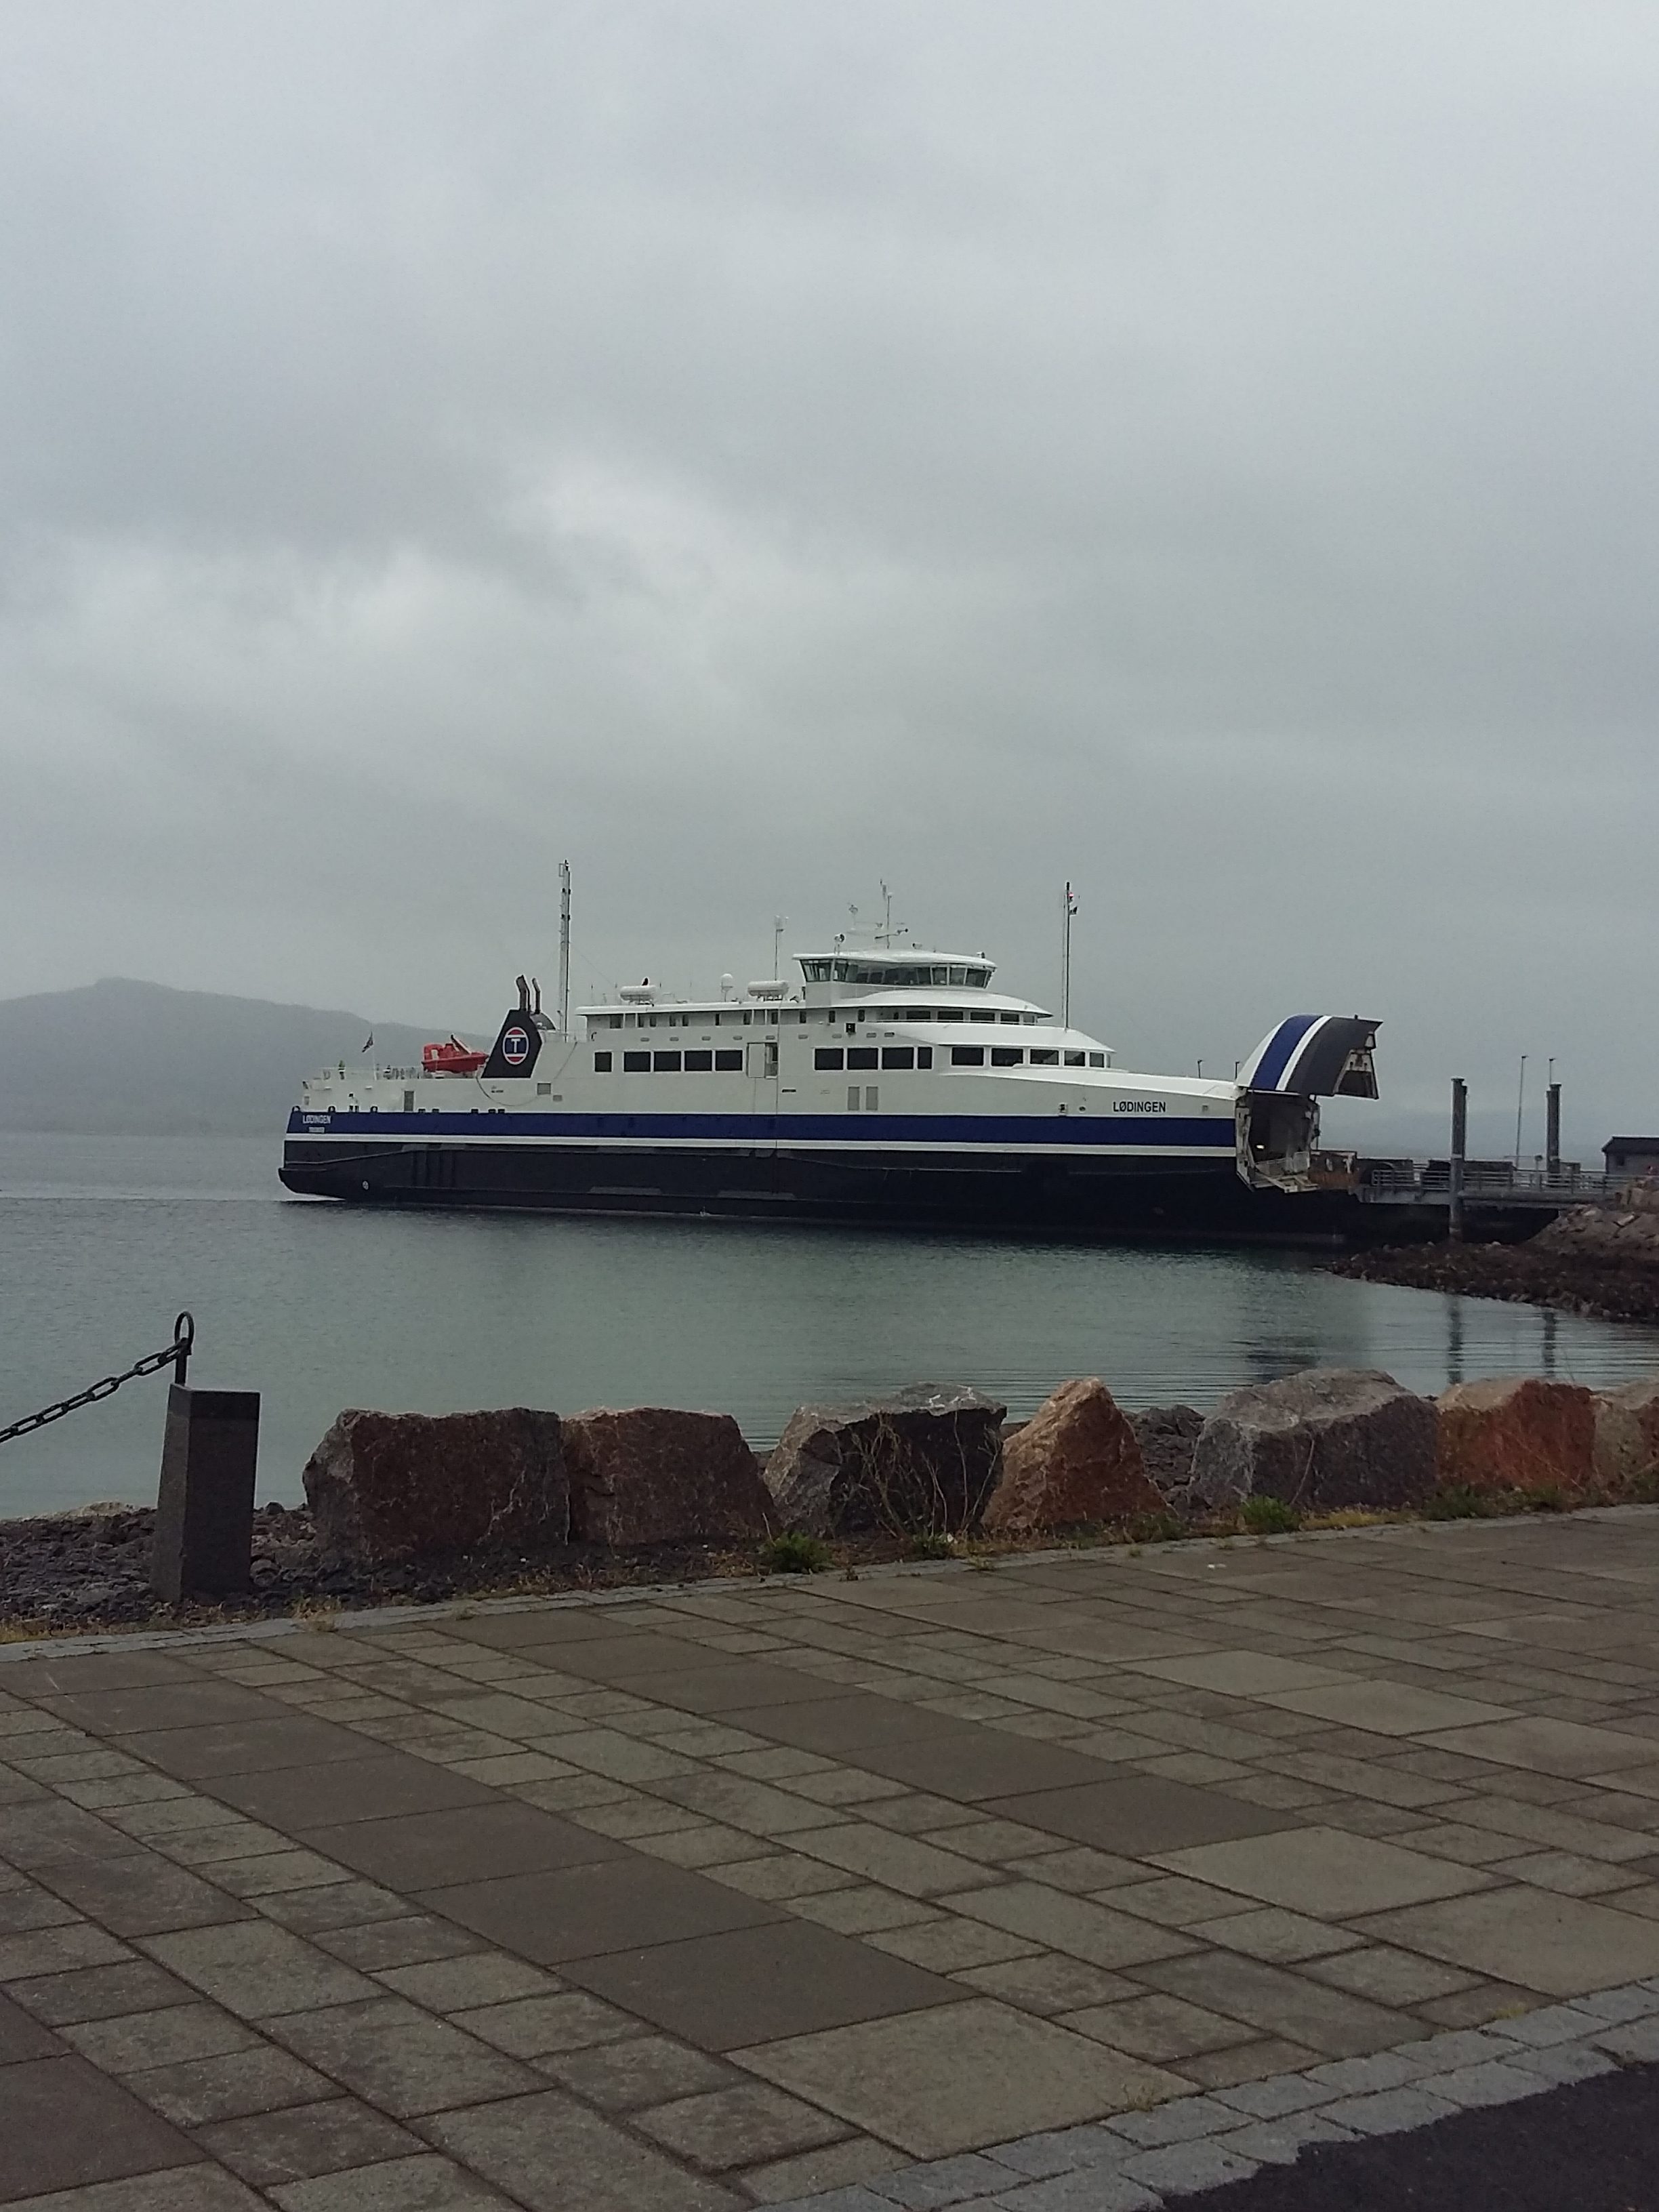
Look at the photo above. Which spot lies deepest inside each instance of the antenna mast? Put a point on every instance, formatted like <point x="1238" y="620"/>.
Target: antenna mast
<point x="564" y="948"/>
<point x="1068" y="909"/>
<point x="779" y="922"/>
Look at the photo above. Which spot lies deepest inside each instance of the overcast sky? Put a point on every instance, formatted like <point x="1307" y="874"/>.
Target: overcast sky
<point x="1207" y="451"/>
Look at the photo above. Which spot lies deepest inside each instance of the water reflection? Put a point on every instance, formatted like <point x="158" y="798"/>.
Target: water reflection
<point x="319" y="1309"/>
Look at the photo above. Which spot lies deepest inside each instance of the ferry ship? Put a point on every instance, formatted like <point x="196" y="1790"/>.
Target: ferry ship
<point x="890" y="1085"/>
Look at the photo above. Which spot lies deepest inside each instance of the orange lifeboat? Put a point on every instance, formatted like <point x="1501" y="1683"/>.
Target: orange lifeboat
<point x="451" y="1058"/>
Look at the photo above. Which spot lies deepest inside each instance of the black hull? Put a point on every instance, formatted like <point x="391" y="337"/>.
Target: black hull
<point x="1198" y="1200"/>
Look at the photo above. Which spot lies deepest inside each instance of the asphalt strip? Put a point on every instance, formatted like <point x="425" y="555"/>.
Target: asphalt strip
<point x="1593" y="2147"/>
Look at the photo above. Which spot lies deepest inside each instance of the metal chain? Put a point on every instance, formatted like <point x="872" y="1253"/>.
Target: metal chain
<point x="178" y="1351"/>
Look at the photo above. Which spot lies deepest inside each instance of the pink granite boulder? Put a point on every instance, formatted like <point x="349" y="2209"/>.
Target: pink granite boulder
<point x="386" y="1486"/>
<point x="647" y="1475"/>
<point x="1076" y="1460"/>
<point x="1517" y="1432"/>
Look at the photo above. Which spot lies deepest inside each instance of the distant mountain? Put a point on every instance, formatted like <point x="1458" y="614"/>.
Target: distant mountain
<point x="120" y="1057"/>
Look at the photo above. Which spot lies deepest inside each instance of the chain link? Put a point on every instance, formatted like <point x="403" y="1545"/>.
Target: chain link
<point x="178" y="1351"/>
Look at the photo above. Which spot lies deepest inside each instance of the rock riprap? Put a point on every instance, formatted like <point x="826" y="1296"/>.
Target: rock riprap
<point x="1627" y="1433"/>
<point x="646" y="1474"/>
<point x="919" y="1460"/>
<point x="407" y="1485"/>
<point x="1326" y="1438"/>
<point x="1168" y="1436"/>
<point x="1076" y="1460"/>
<point x="1510" y="1432"/>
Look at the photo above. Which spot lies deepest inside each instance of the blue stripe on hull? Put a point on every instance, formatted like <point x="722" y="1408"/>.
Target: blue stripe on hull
<point x="1115" y="1131"/>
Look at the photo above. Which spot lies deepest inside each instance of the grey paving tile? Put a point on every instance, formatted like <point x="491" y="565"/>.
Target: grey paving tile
<point x="181" y="1703"/>
<point x="1562" y="1946"/>
<point x="159" y="2037"/>
<point x="57" y="1951"/>
<point x="405" y="1940"/>
<point x="956" y="2077"/>
<point x="44" y="1832"/>
<point x="99" y="1993"/>
<point x="1282" y="2002"/>
<point x="1325" y="1871"/>
<point x="941" y="2183"/>
<point x="1183" y="2119"/>
<point x="614" y="1659"/>
<point x="1388" y="2112"/>
<point x="840" y="2167"/>
<point x="1491" y="2082"/>
<point x="22" y="2035"/>
<point x="574" y="1911"/>
<point x="534" y="2028"/>
<point x="1091" y="2192"/>
<point x="424" y="2183"/>
<point x="753" y="1986"/>
<point x="1636" y="2042"/>
<point x="67" y="2125"/>
<point x="837" y="1723"/>
<point x="175" y="2189"/>
<point x="1181" y="2169"/>
<point x="1281" y="2141"/>
<point x="897" y="1861"/>
<point x="400" y="2059"/>
<point x="554" y="2155"/>
<point x="296" y="2144"/>
<point x="256" y="1971"/>
<point x="622" y="2075"/>
<point x="224" y="2087"/>
<point x="1567" y="1748"/>
<point x="1093" y="1932"/>
<point x="463" y="1843"/>
<point x="976" y="1764"/>
<point x="717" y="2129"/>
<point x="141" y="1894"/>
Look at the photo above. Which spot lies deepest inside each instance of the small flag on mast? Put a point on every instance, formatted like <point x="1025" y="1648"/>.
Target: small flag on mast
<point x="368" y="1042"/>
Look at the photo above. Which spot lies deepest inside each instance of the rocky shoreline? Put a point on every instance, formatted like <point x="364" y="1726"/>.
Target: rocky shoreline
<point x="1590" y="1284"/>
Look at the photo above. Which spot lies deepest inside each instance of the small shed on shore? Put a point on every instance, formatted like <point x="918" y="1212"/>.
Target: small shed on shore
<point x="1630" y="1157"/>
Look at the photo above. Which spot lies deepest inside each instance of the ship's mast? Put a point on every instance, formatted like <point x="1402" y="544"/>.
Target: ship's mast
<point x="564" y="948"/>
<point x="1067" y="910"/>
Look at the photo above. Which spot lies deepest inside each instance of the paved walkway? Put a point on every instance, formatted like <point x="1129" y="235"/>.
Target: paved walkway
<point x="1067" y="1887"/>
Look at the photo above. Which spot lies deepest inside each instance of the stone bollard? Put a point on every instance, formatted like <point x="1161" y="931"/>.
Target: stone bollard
<point x="204" y="1513"/>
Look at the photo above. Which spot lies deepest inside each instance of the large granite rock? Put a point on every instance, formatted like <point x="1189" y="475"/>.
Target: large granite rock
<point x="1076" y="1459"/>
<point x="404" y="1486"/>
<point x="1168" y="1436"/>
<point x="1329" y="1437"/>
<point x="1517" y="1432"/>
<point x="1627" y="1433"/>
<point x="649" y="1475"/>
<point x="921" y="1459"/>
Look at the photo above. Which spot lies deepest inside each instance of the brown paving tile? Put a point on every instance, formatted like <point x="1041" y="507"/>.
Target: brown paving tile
<point x="425" y="2182"/>
<point x="1135" y="1815"/>
<point x="572" y="1912"/>
<point x="1391" y="1977"/>
<point x="1247" y="2061"/>
<point x="1047" y="1982"/>
<point x="1563" y="1749"/>
<point x="67" y="2125"/>
<point x="245" y="1747"/>
<point x="1323" y="1870"/>
<point x="476" y="1843"/>
<point x="1163" y="2029"/>
<point x="753" y="1984"/>
<point x="958" y="2077"/>
<point x="554" y="2155"/>
<point x="268" y="2147"/>
<point x="751" y="1685"/>
<point x="121" y="1712"/>
<point x="961" y="1760"/>
<point x="1077" y="1925"/>
<point x="22" y="2035"/>
<point x="295" y="1797"/>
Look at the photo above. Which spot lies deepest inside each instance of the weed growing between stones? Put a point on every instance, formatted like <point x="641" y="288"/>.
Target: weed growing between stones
<point x="1267" y="1516"/>
<point x="931" y="1544"/>
<point x="794" y="1554"/>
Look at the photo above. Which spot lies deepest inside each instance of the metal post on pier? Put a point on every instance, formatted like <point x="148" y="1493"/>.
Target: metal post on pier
<point x="1460" y="1145"/>
<point x="1552" y="1133"/>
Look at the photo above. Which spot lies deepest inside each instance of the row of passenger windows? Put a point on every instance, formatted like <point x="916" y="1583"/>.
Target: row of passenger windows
<point x="912" y="972"/>
<point x="832" y="1059"/>
<point x="671" y="1063"/>
<point x="701" y="1017"/>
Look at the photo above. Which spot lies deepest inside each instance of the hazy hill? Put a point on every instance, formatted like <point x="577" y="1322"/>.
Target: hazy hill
<point x="119" y="1056"/>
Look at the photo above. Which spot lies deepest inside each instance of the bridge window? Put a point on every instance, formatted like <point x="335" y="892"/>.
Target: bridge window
<point x="601" y="1063"/>
<point x="699" y="1063"/>
<point x="1096" y="1060"/>
<point x="1041" y="1056"/>
<point x="1072" y="1059"/>
<point x="636" y="1063"/>
<point x="728" y="1063"/>
<point x="861" y="1055"/>
<point x="828" y="1059"/>
<point x="1005" y="1055"/>
<point x="898" y="1055"/>
<point x="1014" y="1018"/>
<point x="967" y="1055"/>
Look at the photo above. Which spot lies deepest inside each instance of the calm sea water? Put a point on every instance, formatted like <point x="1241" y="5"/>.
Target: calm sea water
<point x="102" y="1240"/>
